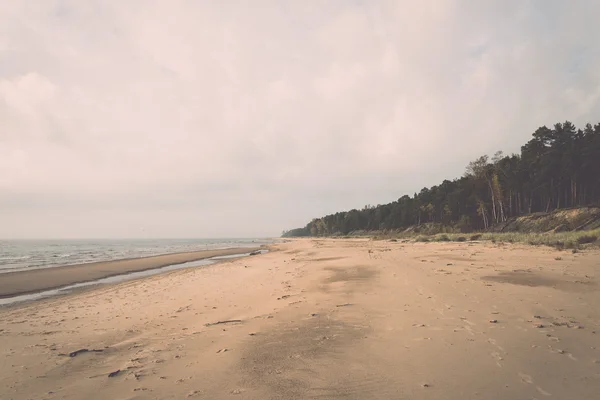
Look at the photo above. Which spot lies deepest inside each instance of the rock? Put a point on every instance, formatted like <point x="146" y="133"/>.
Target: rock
<point x="255" y="253"/>
<point x="493" y="321"/>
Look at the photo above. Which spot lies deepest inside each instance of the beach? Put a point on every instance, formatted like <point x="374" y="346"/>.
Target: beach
<point x="320" y="319"/>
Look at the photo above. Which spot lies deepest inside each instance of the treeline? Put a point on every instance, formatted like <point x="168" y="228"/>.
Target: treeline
<point x="558" y="168"/>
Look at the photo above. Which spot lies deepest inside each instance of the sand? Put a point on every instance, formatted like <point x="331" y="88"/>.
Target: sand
<point x="322" y="319"/>
<point x="31" y="281"/>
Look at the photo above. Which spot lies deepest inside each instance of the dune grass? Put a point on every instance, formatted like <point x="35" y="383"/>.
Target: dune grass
<point x="560" y="240"/>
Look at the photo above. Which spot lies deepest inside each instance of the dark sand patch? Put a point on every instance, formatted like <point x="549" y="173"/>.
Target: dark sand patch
<point x="349" y="274"/>
<point x="312" y="359"/>
<point x="525" y="278"/>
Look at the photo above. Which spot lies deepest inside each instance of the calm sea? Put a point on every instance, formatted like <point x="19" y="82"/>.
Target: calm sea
<point x="17" y="255"/>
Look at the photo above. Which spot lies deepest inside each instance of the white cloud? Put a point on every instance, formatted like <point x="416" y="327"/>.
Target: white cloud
<point x="237" y="118"/>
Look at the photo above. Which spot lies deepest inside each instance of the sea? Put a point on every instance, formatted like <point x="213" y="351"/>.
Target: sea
<point x="19" y="255"/>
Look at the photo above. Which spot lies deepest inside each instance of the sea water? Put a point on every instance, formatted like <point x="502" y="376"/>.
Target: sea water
<point x="19" y="255"/>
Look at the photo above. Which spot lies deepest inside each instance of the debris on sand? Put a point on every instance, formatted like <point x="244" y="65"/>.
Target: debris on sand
<point x="114" y="373"/>
<point x="493" y="321"/>
<point x="229" y="321"/>
<point x="77" y="352"/>
<point x="344" y="305"/>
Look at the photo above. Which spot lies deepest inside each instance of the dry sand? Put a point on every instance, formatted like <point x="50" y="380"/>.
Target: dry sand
<point x="31" y="281"/>
<point x="323" y="319"/>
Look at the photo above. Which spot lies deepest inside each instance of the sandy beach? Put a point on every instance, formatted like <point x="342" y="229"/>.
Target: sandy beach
<point x="322" y="319"/>
<point x="31" y="281"/>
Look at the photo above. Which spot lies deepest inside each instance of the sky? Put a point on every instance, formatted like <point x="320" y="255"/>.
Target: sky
<point x="197" y="119"/>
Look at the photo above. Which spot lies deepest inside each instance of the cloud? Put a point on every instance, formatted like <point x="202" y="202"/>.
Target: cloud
<point x="199" y="119"/>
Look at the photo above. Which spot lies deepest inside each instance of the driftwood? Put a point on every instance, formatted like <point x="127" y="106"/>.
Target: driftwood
<point x="77" y="352"/>
<point x="229" y="321"/>
<point x="114" y="373"/>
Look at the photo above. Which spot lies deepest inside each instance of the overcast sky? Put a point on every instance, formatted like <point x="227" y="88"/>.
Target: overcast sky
<point x="181" y="118"/>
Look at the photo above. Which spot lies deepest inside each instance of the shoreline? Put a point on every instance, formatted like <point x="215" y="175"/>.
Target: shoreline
<point x="19" y="283"/>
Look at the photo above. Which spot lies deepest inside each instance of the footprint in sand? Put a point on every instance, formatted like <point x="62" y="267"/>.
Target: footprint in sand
<point x="497" y="356"/>
<point x="525" y="378"/>
<point x="529" y="380"/>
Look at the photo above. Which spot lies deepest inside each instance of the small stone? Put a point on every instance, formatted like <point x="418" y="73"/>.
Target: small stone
<point x="539" y="326"/>
<point x="222" y="351"/>
<point x="493" y="321"/>
<point x="426" y="385"/>
<point x="559" y="351"/>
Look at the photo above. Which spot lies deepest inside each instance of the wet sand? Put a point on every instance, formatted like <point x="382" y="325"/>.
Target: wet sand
<point x="322" y="319"/>
<point x="25" y="282"/>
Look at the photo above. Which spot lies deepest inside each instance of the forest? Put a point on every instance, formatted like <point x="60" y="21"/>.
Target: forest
<point x="558" y="168"/>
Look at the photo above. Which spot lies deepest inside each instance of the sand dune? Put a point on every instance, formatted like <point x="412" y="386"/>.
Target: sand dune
<point x="322" y="319"/>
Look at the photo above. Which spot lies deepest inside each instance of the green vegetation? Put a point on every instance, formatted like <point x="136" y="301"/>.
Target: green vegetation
<point x="558" y="168"/>
<point x="560" y="240"/>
